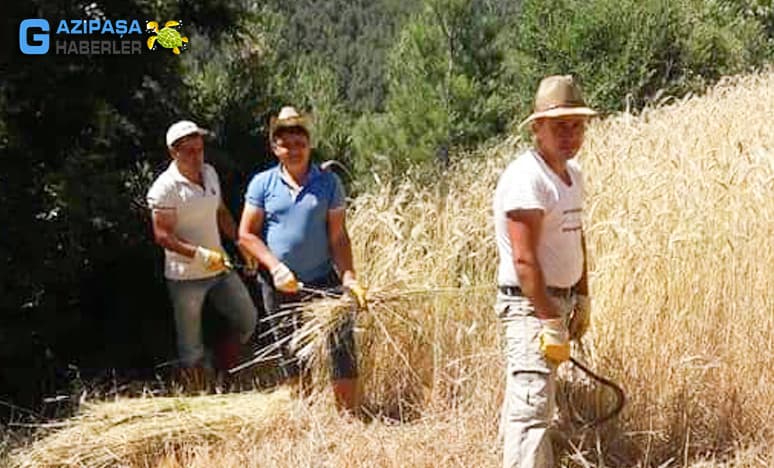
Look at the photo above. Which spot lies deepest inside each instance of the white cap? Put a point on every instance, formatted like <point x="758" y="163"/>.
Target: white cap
<point x="182" y="129"/>
<point x="287" y="113"/>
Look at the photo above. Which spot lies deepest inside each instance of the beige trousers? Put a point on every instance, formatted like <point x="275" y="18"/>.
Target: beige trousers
<point x="530" y="385"/>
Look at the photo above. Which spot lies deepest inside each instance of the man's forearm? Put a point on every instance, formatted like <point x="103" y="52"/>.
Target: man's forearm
<point x="533" y="286"/>
<point x="258" y="249"/>
<point x="582" y="286"/>
<point x="177" y="245"/>
<point x="341" y="251"/>
<point x="226" y="224"/>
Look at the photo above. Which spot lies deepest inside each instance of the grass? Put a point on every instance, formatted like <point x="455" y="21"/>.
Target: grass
<point x="679" y="219"/>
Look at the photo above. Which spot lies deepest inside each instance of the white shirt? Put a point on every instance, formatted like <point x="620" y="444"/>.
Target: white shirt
<point x="197" y="217"/>
<point x="528" y="183"/>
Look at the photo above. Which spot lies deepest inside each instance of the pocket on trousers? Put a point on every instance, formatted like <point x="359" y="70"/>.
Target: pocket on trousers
<point x="531" y="393"/>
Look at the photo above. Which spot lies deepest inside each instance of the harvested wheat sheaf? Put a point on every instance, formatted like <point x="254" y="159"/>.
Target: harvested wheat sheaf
<point x="111" y="433"/>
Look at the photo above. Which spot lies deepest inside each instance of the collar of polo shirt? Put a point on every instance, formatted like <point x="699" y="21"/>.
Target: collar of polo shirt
<point x="179" y="177"/>
<point x="311" y="174"/>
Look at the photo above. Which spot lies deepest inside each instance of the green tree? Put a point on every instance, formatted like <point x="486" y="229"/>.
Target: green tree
<point x="627" y="53"/>
<point x="444" y="89"/>
<point x="352" y="37"/>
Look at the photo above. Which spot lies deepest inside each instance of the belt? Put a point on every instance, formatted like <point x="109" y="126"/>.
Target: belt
<point x="558" y="292"/>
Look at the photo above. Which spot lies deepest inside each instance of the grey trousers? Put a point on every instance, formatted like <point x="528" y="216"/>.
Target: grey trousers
<point x="530" y="384"/>
<point x="229" y="295"/>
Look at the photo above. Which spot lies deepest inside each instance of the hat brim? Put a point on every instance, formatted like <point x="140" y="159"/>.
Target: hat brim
<point x="198" y="131"/>
<point x="559" y="112"/>
<point x="292" y="122"/>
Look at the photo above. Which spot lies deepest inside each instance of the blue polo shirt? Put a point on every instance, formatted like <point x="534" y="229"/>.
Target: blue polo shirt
<point x="295" y="226"/>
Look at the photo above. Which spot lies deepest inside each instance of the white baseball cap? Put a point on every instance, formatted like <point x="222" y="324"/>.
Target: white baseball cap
<point x="182" y="129"/>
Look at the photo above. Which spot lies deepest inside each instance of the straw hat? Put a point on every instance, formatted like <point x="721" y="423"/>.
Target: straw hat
<point x="558" y="96"/>
<point x="289" y="117"/>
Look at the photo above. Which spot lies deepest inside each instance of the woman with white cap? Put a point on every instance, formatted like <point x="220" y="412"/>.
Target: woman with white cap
<point x="188" y="216"/>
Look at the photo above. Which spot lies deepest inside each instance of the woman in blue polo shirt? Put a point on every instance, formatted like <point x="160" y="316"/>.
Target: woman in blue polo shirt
<point x="294" y="224"/>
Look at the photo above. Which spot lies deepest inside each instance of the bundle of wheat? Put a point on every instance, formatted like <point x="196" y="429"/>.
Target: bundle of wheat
<point x="386" y="305"/>
<point x="127" y="430"/>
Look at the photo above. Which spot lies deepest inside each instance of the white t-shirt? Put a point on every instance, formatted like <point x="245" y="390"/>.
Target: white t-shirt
<point x="528" y="183"/>
<point x="197" y="217"/>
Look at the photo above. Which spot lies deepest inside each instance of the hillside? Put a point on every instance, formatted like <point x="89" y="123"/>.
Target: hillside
<point x="679" y="219"/>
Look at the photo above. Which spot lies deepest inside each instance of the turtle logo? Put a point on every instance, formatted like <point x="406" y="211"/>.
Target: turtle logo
<point x="168" y="36"/>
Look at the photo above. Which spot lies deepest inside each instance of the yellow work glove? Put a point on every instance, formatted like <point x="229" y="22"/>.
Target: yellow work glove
<point x="358" y="292"/>
<point x="212" y="260"/>
<point x="555" y="341"/>
<point x="226" y="260"/>
<point x="581" y="317"/>
<point x="284" y="279"/>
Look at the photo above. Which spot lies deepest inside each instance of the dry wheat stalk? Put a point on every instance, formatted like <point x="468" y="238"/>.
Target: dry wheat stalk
<point x="109" y="433"/>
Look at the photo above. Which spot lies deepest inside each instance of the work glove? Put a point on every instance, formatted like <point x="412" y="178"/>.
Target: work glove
<point x="284" y="279"/>
<point x="581" y="317"/>
<point x="212" y="260"/>
<point x="358" y="292"/>
<point x="555" y="341"/>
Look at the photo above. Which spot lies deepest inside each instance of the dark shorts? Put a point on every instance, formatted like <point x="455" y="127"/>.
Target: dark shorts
<point x="341" y="343"/>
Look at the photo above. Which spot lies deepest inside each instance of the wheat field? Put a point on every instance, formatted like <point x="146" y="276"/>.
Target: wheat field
<point x="679" y="220"/>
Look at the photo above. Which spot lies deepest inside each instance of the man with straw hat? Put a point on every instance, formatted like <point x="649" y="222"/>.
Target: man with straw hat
<point x="542" y="296"/>
<point x="188" y="217"/>
<point x="293" y="222"/>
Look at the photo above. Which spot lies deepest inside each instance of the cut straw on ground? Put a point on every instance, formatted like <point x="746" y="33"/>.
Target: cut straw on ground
<point x="110" y="433"/>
